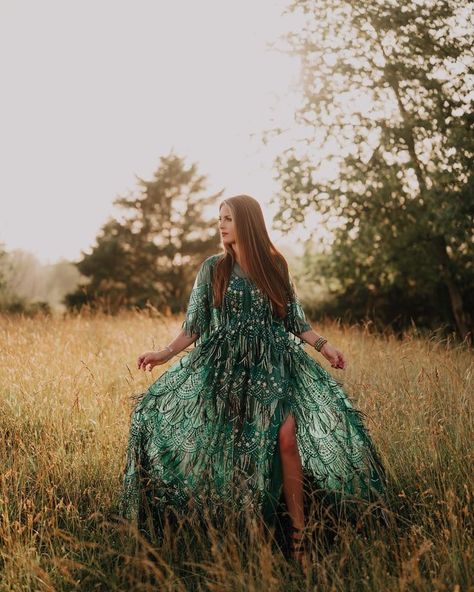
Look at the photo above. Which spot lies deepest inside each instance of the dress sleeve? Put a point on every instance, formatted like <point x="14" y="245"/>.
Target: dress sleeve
<point x="295" y="320"/>
<point x="198" y="313"/>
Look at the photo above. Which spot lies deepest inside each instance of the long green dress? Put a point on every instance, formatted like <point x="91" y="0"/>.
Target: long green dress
<point x="207" y="429"/>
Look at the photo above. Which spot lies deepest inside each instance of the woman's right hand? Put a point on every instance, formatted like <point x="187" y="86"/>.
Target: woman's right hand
<point x="152" y="359"/>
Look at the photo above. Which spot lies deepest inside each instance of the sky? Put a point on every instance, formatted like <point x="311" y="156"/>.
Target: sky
<point x="94" y="92"/>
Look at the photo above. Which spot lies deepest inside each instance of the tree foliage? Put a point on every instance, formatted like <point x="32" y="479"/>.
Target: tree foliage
<point x="387" y="120"/>
<point x="150" y="254"/>
<point x="29" y="284"/>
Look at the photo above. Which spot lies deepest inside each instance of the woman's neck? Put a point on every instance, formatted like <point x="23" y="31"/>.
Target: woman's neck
<point x="237" y="260"/>
<point x="237" y="254"/>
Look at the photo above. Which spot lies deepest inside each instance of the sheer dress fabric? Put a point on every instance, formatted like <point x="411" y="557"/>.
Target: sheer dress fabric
<point x="206" y="431"/>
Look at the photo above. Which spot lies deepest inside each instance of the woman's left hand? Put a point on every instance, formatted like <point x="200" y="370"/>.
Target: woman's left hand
<point x="334" y="356"/>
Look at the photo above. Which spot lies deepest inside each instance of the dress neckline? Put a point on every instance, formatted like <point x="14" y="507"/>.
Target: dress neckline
<point x="238" y="270"/>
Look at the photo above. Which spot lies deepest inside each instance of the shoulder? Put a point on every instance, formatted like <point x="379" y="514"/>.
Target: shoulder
<point x="211" y="260"/>
<point x="205" y="271"/>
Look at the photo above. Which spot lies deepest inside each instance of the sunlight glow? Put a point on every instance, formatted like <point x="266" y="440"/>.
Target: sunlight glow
<point x="93" y="93"/>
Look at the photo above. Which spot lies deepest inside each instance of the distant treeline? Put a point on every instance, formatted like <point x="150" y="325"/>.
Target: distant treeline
<point x="149" y="258"/>
<point x="27" y="286"/>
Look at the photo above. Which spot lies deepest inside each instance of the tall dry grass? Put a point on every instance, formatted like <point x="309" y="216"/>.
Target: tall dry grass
<point x="64" y="412"/>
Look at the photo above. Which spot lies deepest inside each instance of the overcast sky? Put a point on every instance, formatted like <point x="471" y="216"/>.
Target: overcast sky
<point x="95" y="91"/>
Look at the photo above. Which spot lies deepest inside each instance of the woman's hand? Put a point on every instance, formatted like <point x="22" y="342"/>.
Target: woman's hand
<point x="334" y="356"/>
<point x="152" y="359"/>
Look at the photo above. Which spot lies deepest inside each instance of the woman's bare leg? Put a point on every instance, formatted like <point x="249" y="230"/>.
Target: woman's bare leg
<point x="292" y="471"/>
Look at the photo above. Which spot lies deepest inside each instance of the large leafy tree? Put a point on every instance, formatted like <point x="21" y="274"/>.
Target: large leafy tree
<point x="150" y="253"/>
<point x="386" y="121"/>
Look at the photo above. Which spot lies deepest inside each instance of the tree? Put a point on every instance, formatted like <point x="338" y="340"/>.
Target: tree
<point x="25" y="281"/>
<point x="149" y="256"/>
<point x="387" y="107"/>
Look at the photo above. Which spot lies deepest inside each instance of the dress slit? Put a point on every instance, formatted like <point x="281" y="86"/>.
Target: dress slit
<point x="274" y="498"/>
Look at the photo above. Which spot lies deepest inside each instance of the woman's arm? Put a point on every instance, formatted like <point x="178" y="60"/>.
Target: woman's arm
<point x="180" y="342"/>
<point x="332" y="354"/>
<point x="309" y="336"/>
<point x="149" y="359"/>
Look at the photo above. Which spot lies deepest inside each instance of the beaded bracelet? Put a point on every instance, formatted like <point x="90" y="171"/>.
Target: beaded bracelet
<point x="319" y="343"/>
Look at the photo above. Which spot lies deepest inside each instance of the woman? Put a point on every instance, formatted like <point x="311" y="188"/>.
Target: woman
<point x="247" y="413"/>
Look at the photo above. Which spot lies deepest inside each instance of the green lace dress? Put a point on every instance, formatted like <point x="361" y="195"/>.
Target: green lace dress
<point x="206" y="431"/>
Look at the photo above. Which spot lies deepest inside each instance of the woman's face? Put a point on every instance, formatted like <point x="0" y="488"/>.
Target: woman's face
<point x="226" y="225"/>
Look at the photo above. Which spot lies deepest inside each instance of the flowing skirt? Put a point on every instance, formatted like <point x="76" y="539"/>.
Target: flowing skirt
<point x="205" y="433"/>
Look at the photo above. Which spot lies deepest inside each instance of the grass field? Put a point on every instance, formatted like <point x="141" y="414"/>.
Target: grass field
<point x="64" y="412"/>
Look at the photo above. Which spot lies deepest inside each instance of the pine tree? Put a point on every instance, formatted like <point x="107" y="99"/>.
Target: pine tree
<point x="150" y="255"/>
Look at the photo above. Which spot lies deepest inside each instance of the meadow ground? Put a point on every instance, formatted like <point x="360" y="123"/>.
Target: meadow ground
<point x="64" y="412"/>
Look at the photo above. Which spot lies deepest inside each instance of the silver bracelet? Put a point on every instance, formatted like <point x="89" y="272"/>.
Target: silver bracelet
<point x="168" y="348"/>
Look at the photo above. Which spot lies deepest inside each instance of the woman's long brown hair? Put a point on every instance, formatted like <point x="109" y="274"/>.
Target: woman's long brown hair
<point x="262" y="261"/>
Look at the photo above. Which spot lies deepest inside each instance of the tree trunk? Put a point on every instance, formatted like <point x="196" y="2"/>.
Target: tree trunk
<point x="462" y="319"/>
